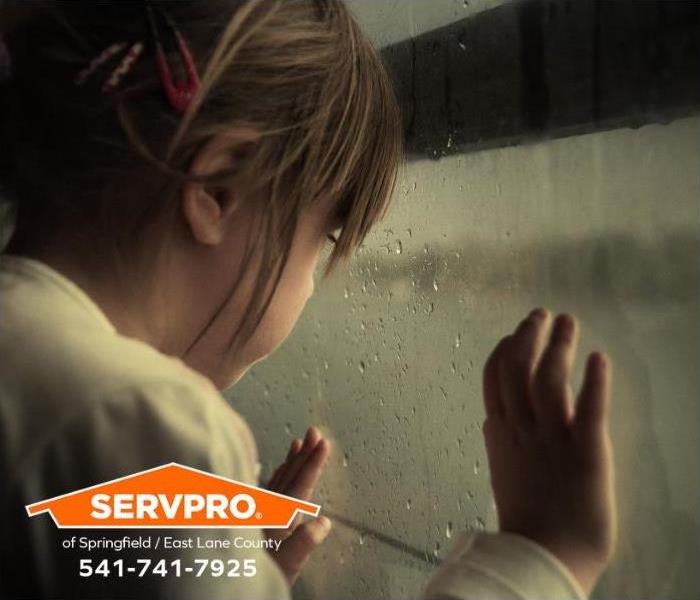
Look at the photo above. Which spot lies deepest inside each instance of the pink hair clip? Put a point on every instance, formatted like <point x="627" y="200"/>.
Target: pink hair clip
<point x="124" y="67"/>
<point x="179" y="93"/>
<point x="96" y="62"/>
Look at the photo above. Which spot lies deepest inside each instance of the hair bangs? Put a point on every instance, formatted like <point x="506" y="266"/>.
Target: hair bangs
<point x="375" y="143"/>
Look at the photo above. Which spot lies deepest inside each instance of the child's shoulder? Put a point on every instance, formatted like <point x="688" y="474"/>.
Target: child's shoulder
<point x="56" y="342"/>
<point x="100" y="364"/>
<point x="75" y="367"/>
<point x="64" y="369"/>
<point x="112" y="396"/>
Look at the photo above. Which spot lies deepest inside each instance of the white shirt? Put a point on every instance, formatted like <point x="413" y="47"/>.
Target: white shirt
<point x="81" y="404"/>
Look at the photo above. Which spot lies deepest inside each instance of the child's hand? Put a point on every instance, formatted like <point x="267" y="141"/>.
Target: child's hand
<point x="296" y="477"/>
<point x="551" y="461"/>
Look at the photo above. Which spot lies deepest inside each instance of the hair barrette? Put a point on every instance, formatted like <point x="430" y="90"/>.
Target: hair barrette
<point x="179" y="94"/>
<point x="98" y="61"/>
<point x="124" y="67"/>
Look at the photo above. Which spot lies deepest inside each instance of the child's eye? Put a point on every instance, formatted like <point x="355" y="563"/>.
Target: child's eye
<point x="333" y="237"/>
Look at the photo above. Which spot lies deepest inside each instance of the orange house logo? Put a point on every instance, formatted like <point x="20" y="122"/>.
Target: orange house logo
<point x="172" y="496"/>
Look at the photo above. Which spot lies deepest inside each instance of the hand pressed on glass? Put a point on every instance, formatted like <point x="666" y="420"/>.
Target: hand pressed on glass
<point x="297" y="476"/>
<point x="550" y="458"/>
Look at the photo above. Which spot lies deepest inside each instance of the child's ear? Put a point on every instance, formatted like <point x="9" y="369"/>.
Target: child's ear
<point x="203" y="214"/>
<point x="206" y="208"/>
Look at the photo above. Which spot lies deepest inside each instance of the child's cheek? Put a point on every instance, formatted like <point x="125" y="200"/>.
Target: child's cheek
<point x="278" y="322"/>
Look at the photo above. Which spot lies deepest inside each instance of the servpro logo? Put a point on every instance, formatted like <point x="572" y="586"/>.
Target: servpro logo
<point x="172" y="496"/>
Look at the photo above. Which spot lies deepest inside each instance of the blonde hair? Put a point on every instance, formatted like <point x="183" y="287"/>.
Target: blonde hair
<point x="300" y="72"/>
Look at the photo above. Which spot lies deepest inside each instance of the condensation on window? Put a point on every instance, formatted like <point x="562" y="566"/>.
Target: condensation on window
<point x="387" y="358"/>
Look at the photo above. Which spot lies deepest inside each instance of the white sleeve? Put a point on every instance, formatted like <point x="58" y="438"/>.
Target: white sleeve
<point x="501" y="566"/>
<point x="137" y="428"/>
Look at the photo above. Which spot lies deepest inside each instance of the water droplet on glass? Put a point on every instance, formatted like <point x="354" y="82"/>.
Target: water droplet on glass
<point x="448" y="531"/>
<point x="458" y="340"/>
<point x="361" y="366"/>
<point x="362" y="539"/>
<point x="435" y="285"/>
<point x="408" y="504"/>
<point x="476" y="467"/>
<point x="345" y="459"/>
<point x="288" y="428"/>
<point x="346" y="294"/>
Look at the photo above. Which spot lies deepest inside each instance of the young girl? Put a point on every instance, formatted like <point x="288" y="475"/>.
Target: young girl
<point x="177" y="168"/>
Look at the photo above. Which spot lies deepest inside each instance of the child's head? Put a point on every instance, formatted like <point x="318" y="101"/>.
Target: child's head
<point x="295" y="115"/>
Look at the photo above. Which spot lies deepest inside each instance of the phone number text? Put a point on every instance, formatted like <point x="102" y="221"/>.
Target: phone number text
<point x="142" y="567"/>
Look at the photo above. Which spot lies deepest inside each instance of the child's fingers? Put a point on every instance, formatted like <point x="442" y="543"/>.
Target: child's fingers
<point x="297" y="548"/>
<point x="283" y="534"/>
<point x="594" y="397"/>
<point x="312" y="438"/>
<point x="551" y="389"/>
<point x="272" y="483"/>
<point x="307" y="477"/>
<point x="544" y="319"/>
<point x="491" y="382"/>
<point x="296" y="521"/>
<point x="294" y="448"/>
<point x="517" y="366"/>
